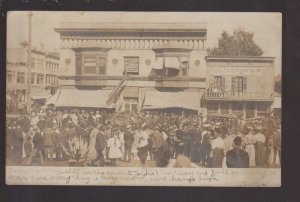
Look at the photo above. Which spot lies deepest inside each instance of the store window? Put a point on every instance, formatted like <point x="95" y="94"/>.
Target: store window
<point x="20" y="77"/>
<point x="131" y="65"/>
<point x="224" y="107"/>
<point x="40" y="78"/>
<point x="131" y="104"/>
<point x="237" y="108"/>
<point x="212" y="108"/>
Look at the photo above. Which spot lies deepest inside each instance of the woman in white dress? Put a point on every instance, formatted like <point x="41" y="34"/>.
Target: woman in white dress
<point x="249" y="141"/>
<point x="114" y="144"/>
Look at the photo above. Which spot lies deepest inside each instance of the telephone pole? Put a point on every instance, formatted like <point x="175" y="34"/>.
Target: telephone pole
<point x="29" y="65"/>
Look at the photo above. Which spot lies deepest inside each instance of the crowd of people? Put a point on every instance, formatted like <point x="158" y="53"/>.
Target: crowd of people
<point x="98" y="138"/>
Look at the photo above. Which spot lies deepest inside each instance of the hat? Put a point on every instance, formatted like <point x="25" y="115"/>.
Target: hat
<point x="206" y="125"/>
<point x="218" y="124"/>
<point x="250" y="128"/>
<point x="258" y="127"/>
<point x="158" y="127"/>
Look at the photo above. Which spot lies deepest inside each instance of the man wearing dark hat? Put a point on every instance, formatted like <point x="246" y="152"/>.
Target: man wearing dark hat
<point x="205" y="147"/>
<point x="38" y="146"/>
<point x="48" y="141"/>
<point x="237" y="157"/>
<point x="100" y="144"/>
<point x="196" y="138"/>
<point x="128" y="139"/>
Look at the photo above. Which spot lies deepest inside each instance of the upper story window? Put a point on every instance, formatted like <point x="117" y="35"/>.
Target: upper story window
<point x="40" y="78"/>
<point x="239" y="84"/>
<point x="20" y="77"/>
<point x="219" y="82"/>
<point x="90" y="64"/>
<point x="39" y="63"/>
<point x="131" y="65"/>
<point x="32" y="78"/>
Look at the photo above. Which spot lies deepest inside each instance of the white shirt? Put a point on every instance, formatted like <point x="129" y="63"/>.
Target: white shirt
<point x="260" y="138"/>
<point x="217" y="143"/>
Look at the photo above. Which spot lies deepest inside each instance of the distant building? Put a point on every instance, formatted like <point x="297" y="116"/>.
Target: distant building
<point x="242" y="86"/>
<point x="44" y="74"/>
<point x="165" y="63"/>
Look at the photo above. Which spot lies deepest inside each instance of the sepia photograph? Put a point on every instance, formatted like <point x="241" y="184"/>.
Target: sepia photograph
<point x="143" y="98"/>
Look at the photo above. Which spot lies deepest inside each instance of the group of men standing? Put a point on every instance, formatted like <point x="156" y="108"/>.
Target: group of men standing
<point x="161" y="138"/>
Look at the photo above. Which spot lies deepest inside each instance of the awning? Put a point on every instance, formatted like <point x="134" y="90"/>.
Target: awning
<point x="172" y="62"/>
<point x="160" y="100"/>
<point x="53" y="98"/>
<point x="81" y="98"/>
<point x="159" y="63"/>
<point x="38" y="93"/>
<point x="277" y="103"/>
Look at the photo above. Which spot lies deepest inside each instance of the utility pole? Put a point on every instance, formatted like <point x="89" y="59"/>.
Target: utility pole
<point x="29" y="65"/>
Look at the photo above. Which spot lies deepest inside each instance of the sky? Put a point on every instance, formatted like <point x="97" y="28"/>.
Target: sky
<point x="267" y="27"/>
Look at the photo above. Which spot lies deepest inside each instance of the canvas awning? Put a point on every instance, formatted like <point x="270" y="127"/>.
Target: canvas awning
<point x="159" y="63"/>
<point x="160" y="100"/>
<point x="53" y="98"/>
<point x="39" y="93"/>
<point x="81" y="98"/>
<point x="172" y="62"/>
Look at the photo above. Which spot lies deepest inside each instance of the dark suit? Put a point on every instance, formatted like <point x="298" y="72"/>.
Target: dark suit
<point x="237" y="158"/>
<point x="100" y="146"/>
<point x="17" y="145"/>
<point x="128" y="138"/>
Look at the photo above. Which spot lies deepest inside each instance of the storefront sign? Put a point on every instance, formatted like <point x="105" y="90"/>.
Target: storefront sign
<point x="236" y="71"/>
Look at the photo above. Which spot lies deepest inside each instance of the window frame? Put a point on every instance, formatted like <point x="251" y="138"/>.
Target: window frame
<point x="138" y="65"/>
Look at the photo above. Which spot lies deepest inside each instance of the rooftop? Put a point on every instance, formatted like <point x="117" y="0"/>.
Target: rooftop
<point x="129" y="26"/>
<point x="239" y="58"/>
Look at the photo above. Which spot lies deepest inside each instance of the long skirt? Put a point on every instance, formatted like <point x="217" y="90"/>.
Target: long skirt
<point x="251" y="152"/>
<point x="217" y="158"/>
<point x="260" y="154"/>
<point x="114" y="153"/>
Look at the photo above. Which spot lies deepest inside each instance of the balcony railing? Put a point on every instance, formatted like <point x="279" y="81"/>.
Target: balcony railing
<point x="234" y="95"/>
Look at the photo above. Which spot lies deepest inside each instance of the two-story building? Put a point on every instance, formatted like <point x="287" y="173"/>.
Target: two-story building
<point x="242" y="86"/>
<point x="44" y="74"/>
<point x="165" y="63"/>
